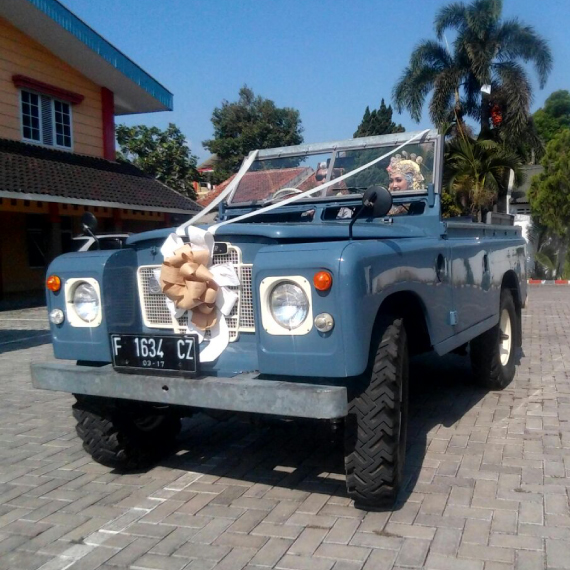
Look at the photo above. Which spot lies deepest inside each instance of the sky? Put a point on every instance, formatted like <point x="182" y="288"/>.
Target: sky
<point x="327" y="59"/>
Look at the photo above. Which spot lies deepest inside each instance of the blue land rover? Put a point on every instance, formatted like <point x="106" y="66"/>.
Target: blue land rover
<point x="342" y="267"/>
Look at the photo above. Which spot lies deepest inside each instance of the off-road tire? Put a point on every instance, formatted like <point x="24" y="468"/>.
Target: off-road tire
<point x="375" y="428"/>
<point x="485" y="350"/>
<point x="116" y="435"/>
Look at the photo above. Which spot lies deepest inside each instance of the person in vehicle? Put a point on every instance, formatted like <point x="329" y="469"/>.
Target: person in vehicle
<point x="405" y="173"/>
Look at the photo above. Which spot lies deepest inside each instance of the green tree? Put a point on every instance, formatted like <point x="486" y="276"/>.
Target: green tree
<point x="554" y="116"/>
<point x="250" y="123"/>
<point x="162" y="154"/>
<point x="378" y="122"/>
<point x="486" y="51"/>
<point x="476" y="172"/>
<point x="549" y="194"/>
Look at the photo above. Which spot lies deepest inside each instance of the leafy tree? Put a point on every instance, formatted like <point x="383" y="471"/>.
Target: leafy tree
<point x="486" y="51"/>
<point x="248" y="124"/>
<point x="378" y="122"/>
<point x="554" y="116"/>
<point x="476" y="172"/>
<point x="549" y="194"/>
<point x="162" y="154"/>
<point x="449" y="207"/>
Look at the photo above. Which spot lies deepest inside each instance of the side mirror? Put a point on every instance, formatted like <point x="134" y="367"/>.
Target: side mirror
<point x="89" y="221"/>
<point x="377" y="200"/>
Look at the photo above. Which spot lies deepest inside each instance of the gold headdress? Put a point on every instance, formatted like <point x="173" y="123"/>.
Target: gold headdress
<point x="407" y="166"/>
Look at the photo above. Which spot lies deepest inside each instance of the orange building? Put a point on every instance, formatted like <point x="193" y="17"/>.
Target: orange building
<point x="61" y="86"/>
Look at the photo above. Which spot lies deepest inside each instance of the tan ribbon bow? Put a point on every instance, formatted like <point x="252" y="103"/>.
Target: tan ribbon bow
<point x="186" y="280"/>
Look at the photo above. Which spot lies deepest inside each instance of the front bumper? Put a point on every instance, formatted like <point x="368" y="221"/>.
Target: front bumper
<point x="241" y="393"/>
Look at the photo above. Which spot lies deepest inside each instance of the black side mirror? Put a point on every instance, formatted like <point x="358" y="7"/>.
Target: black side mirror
<point x="89" y="221"/>
<point x="377" y="200"/>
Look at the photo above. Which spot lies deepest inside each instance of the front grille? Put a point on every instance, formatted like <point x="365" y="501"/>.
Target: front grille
<point x="155" y="312"/>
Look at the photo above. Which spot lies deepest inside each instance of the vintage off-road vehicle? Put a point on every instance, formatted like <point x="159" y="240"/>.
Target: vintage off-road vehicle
<point x="336" y="282"/>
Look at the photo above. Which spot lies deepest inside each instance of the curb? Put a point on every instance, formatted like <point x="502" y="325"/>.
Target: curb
<point x="548" y="281"/>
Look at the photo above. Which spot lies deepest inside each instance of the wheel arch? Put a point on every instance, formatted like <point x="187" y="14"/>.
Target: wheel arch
<point x="411" y="308"/>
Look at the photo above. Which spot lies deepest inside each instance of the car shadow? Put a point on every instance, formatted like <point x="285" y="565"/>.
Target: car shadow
<point x="307" y="455"/>
<point x="11" y="340"/>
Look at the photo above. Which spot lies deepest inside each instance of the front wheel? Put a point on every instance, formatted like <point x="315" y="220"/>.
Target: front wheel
<point x="375" y="428"/>
<point x="125" y="435"/>
<point x="493" y="353"/>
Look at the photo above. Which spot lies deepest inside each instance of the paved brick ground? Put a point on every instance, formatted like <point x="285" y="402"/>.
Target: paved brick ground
<point x="487" y="484"/>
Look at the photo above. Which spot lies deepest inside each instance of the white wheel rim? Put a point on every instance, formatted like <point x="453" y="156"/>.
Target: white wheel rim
<point x="505" y="339"/>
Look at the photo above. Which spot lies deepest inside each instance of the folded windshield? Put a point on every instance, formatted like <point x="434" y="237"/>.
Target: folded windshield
<point x="408" y="170"/>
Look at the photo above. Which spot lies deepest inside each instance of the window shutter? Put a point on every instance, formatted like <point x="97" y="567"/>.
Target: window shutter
<point x="47" y="121"/>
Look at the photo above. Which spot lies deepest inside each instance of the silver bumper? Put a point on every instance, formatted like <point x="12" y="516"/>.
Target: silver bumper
<point x="241" y="393"/>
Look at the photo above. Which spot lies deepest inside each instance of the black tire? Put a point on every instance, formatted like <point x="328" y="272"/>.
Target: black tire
<point x="125" y="436"/>
<point x="376" y="425"/>
<point x="487" y="350"/>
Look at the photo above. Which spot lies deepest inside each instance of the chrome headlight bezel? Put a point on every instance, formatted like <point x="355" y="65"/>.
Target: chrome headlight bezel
<point x="74" y="317"/>
<point x="270" y="321"/>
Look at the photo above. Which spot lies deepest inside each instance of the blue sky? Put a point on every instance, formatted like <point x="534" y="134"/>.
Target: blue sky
<point x="329" y="59"/>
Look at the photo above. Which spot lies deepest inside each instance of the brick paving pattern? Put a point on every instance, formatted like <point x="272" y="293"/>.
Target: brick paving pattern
<point x="486" y="477"/>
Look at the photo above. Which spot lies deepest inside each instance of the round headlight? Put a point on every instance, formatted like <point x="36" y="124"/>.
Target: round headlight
<point x="86" y="302"/>
<point x="56" y="316"/>
<point x="289" y="305"/>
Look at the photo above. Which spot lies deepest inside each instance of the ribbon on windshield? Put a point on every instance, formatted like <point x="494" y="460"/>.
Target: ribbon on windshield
<point x="320" y="188"/>
<point x="181" y="230"/>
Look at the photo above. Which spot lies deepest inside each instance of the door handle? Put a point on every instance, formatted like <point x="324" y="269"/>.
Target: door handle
<point x="440" y="269"/>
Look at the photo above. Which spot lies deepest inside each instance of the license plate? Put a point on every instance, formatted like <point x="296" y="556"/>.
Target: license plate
<point x="154" y="353"/>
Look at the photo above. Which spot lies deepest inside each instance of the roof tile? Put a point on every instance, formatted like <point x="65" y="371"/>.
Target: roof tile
<point x="33" y="169"/>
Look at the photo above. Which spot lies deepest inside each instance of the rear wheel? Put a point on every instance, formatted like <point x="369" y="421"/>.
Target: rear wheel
<point x="124" y="435"/>
<point x="493" y="353"/>
<point x="375" y="428"/>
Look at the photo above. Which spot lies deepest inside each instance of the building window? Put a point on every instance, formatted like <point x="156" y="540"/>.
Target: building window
<point x="62" y="114"/>
<point x="31" y="116"/>
<point x="45" y="120"/>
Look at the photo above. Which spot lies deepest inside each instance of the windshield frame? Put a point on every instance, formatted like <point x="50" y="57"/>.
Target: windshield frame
<point x="363" y="143"/>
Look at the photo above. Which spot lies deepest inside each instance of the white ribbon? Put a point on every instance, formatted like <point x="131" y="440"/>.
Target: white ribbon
<point x="224" y="275"/>
<point x="233" y="184"/>
<point x="307" y="193"/>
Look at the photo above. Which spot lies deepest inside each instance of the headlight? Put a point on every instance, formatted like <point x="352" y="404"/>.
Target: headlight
<point x="289" y="305"/>
<point x="86" y="302"/>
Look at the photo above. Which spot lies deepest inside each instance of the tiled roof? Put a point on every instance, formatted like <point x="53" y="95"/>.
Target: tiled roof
<point x="29" y="169"/>
<point x="261" y="184"/>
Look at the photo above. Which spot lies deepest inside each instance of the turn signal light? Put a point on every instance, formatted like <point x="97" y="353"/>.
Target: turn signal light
<point x="322" y="281"/>
<point x="53" y="283"/>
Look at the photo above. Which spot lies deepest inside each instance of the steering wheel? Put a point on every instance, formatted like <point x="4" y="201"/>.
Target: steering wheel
<point x="286" y="191"/>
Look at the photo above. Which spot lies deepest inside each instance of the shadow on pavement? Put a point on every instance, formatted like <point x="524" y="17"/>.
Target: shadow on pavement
<point x="11" y="340"/>
<point x="307" y="455"/>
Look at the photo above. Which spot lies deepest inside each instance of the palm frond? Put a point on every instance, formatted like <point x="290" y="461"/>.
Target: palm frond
<point x="472" y="103"/>
<point x="546" y="261"/>
<point x="450" y="16"/>
<point x="482" y="17"/>
<point x="515" y="88"/>
<point x="431" y="53"/>
<point x="517" y="41"/>
<point x="445" y="86"/>
<point x="411" y="90"/>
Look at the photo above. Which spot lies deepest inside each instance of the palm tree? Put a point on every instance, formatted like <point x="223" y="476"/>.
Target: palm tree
<point x="433" y="68"/>
<point x="486" y="51"/>
<point x="476" y="171"/>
